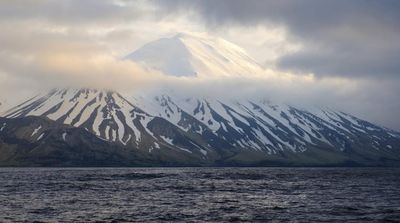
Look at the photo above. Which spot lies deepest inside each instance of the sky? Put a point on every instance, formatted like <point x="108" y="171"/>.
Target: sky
<point x="341" y="54"/>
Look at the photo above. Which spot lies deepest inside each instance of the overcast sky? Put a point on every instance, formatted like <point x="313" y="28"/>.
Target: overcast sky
<point x="350" y="49"/>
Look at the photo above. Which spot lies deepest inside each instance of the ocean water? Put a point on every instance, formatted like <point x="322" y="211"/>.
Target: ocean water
<point x="199" y="194"/>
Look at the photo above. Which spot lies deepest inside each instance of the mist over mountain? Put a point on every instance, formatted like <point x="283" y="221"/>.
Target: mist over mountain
<point x="199" y="111"/>
<point x="196" y="54"/>
<point x="164" y="126"/>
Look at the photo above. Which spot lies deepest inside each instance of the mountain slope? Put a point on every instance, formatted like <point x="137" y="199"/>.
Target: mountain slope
<point x="204" y="131"/>
<point x="34" y="141"/>
<point x="193" y="54"/>
<point x="103" y="112"/>
<point x="272" y="129"/>
<point x="38" y="141"/>
<point x="112" y="118"/>
<point x="168" y="129"/>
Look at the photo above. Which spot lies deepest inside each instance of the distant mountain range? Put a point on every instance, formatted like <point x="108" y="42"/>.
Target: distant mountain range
<point x="89" y="127"/>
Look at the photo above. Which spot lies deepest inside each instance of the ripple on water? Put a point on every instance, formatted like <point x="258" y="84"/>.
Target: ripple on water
<point x="199" y="194"/>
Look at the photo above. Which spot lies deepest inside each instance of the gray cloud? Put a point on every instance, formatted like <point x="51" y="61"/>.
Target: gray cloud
<point x="362" y="63"/>
<point x="71" y="11"/>
<point x="342" y="38"/>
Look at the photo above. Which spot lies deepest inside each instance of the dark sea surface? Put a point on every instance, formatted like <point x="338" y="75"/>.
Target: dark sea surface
<point x="199" y="194"/>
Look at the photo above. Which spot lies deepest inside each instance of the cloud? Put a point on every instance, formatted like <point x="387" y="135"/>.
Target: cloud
<point x="70" y="12"/>
<point x="339" y="54"/>
<point x="365" y="99"/>
<point x="40" y="55"/>
<point x="340" y="38"/>
<point x="352" y="62"/>
<point x="76" y="66"/>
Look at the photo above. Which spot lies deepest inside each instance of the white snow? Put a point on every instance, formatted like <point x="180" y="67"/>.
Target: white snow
<point x="127" y="140"/>
<point x="36" y="130"/>
<point x="107" y="132"/>
<point x="120" y="125"/>
<point x="113" y="135"/>
<point x="224" y="127"/>
<point x="40" y="137"/>
<point x="183" y="149"/>
<point x="196" y="54"/>
<point x="3" y="126"/>
<point x="97" y="122"/>
<point x="203" y="152"/>
<point x="167" y="140"/>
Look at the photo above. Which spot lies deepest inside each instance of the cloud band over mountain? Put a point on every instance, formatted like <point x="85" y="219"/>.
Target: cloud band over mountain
<point x="339" y="53"/>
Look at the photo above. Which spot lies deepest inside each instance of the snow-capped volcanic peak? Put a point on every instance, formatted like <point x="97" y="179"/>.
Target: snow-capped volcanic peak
<point x="193" y="54"/>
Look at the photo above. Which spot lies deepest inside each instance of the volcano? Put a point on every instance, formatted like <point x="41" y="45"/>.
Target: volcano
<point x="95" y="127"/>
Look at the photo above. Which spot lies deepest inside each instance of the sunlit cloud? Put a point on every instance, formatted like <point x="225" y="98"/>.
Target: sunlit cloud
<point x="341" y="62"/>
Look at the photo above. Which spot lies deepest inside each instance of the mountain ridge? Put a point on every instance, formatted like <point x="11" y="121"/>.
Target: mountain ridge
<point x="215" y="132"/>
<point x="164" y="128"/>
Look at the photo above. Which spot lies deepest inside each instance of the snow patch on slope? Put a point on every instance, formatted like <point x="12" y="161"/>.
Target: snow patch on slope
<point x="35" y="131"/>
